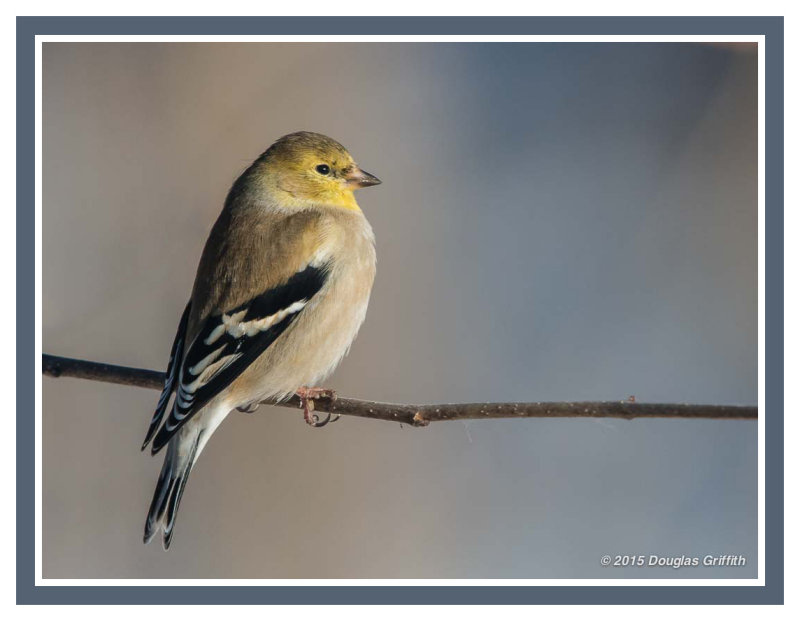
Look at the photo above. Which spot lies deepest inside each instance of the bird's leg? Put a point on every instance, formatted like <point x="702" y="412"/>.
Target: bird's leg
<point x="307" y="395"/>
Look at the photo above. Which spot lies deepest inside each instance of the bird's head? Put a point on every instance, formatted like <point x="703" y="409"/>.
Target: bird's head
<point x="307" y="169"/>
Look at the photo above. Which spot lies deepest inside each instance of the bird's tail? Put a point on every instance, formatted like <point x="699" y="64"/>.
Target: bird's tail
<point x="182" y="452"/>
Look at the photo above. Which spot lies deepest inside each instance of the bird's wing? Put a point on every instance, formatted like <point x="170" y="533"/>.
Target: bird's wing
<point x="227" y="343"/>
<point x="175" y="357"/>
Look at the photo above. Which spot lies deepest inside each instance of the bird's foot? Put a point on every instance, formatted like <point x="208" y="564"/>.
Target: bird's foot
<point x="307" y="395"/>
<point x="249" y="408"/>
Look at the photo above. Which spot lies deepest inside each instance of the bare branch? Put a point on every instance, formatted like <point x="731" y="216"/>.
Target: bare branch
<point x="422" y="415"/>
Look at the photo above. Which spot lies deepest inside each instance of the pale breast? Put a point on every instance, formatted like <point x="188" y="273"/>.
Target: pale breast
<point x="316" y="342"/>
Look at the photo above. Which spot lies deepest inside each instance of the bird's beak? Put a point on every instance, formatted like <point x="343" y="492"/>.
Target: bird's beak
<point x="358" y="178"/>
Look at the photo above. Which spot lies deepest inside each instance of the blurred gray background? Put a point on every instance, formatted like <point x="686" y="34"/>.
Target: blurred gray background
<point x="557" y="222"/>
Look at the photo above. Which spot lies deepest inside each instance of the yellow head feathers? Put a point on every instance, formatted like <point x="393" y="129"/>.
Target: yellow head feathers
<point x="306" y="169"/>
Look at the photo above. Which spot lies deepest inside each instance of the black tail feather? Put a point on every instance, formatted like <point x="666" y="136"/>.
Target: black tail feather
<point x="168" y="493"/>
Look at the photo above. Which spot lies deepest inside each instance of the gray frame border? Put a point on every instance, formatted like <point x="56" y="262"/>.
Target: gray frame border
<point x="771" y="593"/>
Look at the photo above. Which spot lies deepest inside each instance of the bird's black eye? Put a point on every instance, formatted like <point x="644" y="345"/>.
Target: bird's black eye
<point x="323" y="169"/>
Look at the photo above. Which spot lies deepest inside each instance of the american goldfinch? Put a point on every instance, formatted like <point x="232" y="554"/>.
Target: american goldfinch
<point x="280" y="293"/>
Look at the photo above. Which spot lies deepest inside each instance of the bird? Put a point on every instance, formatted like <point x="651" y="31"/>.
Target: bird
<point x="281" y="290"/>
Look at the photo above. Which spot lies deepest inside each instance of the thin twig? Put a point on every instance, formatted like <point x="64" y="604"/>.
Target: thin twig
<point x="421" y="415"/>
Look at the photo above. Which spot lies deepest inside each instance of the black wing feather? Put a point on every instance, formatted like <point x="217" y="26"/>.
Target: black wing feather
<point x="234" y="353"/>
<point x="175" y="356"/>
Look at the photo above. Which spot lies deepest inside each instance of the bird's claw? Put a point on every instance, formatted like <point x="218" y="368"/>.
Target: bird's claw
<point x="249" y="408"/>
<point x="307" y="396"/>
<point x="316" y="422"/>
